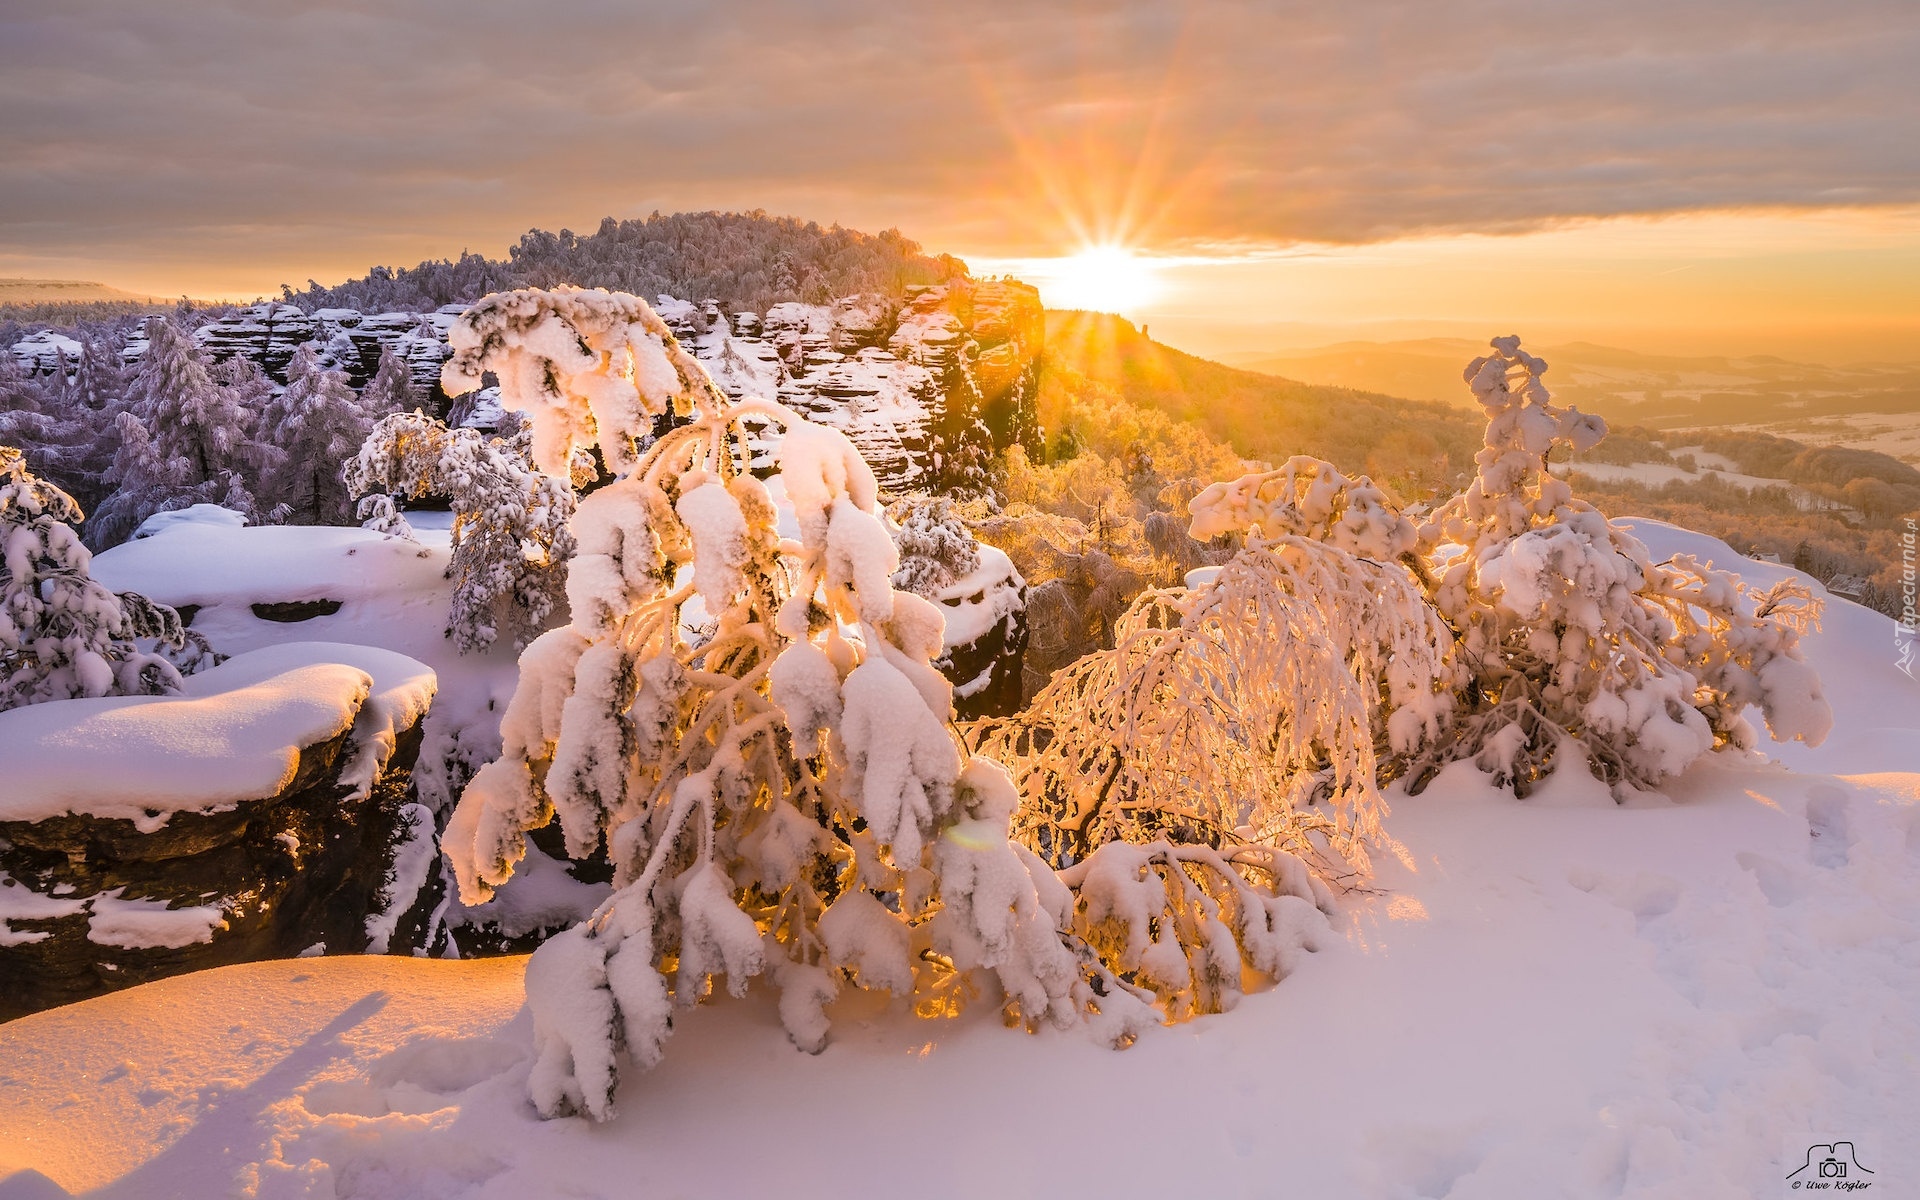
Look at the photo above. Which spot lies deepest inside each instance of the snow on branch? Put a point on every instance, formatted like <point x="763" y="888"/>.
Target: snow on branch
<point x="1243" y="712"/>
<point x="1306" y="498"/>
<point x="591" y="368"/>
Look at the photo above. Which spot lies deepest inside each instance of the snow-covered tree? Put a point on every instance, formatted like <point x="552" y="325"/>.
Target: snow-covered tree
<point x="1248" y="712"/>
<point x="1306" y="498"/>
<point x="317" y="425"/>
<point x="391" y="389"/>
<point x="247" y="386"/>
<point x="37" y="416"/>
<point x="99" y="382"/>
<point x="1574" y="635"/>
<point x="510" y="536"/>
<point x="778" y="792"/>
<point x="936" y="547"/>
<point x="62" y="635"/>
<point x="249" y="389"/>
<point x="183" y="439"/>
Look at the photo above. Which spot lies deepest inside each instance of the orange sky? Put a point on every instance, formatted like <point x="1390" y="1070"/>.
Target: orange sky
<point x="1823" y="285"/>
<point x="1718" y="175"/>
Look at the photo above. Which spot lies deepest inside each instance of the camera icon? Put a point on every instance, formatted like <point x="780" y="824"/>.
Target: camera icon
<point x="1831" y="1160"/>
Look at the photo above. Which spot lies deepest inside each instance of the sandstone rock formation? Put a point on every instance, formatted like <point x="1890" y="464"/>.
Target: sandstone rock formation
<point x="130" y="881"/>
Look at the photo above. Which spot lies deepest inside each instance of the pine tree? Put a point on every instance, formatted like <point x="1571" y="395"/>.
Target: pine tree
<point x="62" y="635"/>
<point x="31" y="419"/>
<point x="184" y="439"/>
<point x="317" y="425"/>
<point x="249" y="388"/>
<point x="391" y="389"/>
<point x="196" y="423"/>
<point x="100" y="378"/>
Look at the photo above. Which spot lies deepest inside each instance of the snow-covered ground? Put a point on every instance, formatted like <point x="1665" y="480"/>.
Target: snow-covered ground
<point x="1550" y="997"/>
<point x="391" y="594"/>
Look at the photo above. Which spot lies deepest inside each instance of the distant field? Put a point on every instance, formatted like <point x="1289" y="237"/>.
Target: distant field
<point x="1873" y="406"/>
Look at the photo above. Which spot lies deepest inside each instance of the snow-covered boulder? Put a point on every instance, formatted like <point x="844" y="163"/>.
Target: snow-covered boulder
<point x="985" y="644"/>
<point x="252" y="815"/>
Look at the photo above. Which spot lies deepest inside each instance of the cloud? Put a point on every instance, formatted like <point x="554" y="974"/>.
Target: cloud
<point x="325" y="136"/>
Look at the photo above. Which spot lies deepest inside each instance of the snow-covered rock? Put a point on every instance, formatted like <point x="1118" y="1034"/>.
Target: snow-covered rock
<point x="928" y="389"/>
<point x="984" y="648"/>
<point x="47" y="351"/>
<point x="249" y="587"/>
<point x="349" y="340"/>
<point x="250" y="816"/>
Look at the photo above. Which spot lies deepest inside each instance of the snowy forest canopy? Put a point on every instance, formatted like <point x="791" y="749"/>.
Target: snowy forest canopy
<point x="746" y="261"/>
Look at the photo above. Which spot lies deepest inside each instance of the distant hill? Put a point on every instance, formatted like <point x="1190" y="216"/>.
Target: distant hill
<point x="1416" y="446"/>
<point x="64" y="291"/>
<point x="746" y="262"/>
<point x="63" y="302"/>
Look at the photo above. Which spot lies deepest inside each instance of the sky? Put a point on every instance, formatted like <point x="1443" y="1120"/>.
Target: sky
<point x="1715" y="174"/>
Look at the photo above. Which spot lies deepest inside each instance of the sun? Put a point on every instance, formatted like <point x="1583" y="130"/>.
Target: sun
<point x="1106" y="278"/>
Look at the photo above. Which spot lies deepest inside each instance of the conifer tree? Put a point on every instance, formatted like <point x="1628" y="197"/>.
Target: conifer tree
<point x="317" y="425"/>
<point x="36" y="415"/>
<point x="511" y="540"/>
<point x="183" y="439"/>
<point x="391" y="389"/>
<point x="1575" y="636"/>
<point x="249" y="388"/>
<point x="100" y="378"/>
<point x="198" y="425"/>
<point x="62" y="635"/>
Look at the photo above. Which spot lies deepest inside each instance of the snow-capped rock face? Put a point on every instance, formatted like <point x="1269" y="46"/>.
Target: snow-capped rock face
<point x="350" y="341"/>
<point x="47" y="351"/>
<point x="986" y="637"/>
<point x="253" y="816"/>
<point x="928" y="389"/>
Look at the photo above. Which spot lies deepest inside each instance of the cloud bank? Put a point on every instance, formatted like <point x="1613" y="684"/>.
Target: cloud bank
<point x="330" y="135"/>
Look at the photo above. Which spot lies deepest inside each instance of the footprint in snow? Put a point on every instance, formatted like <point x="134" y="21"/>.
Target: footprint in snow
<point x="1828" y="827"/>
<point x="1647" y="896"/>
<point x="1778" y="882"/>
<point x="421" y="1076"/>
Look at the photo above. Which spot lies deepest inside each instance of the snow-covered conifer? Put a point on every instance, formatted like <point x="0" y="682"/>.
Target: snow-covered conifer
<point x="936" y="547"/>
<point x="99" y="378"/>
<point x="191" y="418"/>
<point x="1572" y="632"/>
<point x="779" y="793"/>
<point x="248" y="388"/>
<point x="510" y="536"/>
<point x="317" y="425"/>
<point x="61" y="634"/>
<point x="183" y="439"/>
<point x="391" y="389"/>
<point x="61" y="441"/>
